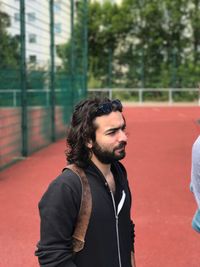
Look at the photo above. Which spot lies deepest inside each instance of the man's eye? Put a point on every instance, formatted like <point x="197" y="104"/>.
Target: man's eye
<point x="111" y="133"/>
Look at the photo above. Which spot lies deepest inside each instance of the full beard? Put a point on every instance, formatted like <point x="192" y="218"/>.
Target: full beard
<point x="108" y="157"/>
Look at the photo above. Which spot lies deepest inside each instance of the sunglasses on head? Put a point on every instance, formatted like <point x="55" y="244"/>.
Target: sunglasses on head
<point x="108" y="107"/>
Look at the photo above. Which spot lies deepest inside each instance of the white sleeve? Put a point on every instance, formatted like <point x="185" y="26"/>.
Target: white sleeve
<point x="195" y="171"/>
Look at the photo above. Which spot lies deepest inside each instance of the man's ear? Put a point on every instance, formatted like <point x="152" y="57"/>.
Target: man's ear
<point x="89" y="144"/>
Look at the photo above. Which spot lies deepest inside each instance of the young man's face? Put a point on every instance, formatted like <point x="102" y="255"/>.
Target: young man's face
<point x="111" y="138"/>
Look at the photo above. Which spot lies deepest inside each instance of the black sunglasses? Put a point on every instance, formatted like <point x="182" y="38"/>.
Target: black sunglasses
<point x="108" y="107"/>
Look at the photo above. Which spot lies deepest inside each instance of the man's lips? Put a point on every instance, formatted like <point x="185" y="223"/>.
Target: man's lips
<point x="120" y="148"/>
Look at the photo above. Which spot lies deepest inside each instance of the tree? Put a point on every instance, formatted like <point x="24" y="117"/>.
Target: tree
<point x="9" y="46"/>
<point x="143" y="43"/>
<point x="9" y="55"/>
<point x="195" y="23"/>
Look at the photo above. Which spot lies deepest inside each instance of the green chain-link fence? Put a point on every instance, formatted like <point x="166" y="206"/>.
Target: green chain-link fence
<point x="42" y="72"/>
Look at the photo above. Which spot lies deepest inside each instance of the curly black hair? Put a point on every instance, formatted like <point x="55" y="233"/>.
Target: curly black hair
<point x="82" y="129"/>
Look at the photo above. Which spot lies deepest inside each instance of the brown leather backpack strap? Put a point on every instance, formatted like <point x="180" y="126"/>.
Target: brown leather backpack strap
<point x="85" y="209"/>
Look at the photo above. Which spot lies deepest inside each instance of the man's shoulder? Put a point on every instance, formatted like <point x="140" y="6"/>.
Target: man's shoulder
<point x="67" y="180"/>
<point x="66" y="184"/>
<point x="64" y="190"/>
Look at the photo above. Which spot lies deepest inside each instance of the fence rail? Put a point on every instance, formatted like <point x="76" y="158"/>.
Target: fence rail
<point x="110" y="92"/>
<point x="140" y="92"/>
<point x="14" y="96"/>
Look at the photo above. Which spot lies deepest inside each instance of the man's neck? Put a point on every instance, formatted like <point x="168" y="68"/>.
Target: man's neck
<point x="106" y="171"/>
<point x="104" y="168"/>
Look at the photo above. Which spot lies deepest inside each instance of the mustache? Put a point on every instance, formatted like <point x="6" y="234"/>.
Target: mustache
<point x="121" y="145"/>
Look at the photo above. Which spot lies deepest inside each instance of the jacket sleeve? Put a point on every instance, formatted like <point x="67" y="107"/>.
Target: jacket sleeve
<point x="58" y="209"/>
<point x="132" y="236"/>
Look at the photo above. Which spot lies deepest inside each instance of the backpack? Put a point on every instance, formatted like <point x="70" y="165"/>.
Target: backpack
<point x="85" y="209"/>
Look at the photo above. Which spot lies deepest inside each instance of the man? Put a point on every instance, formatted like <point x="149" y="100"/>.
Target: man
<point x="195" y="182"/>
<point x="96" y="142"/>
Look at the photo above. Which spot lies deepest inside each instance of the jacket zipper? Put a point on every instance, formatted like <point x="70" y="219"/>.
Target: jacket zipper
<point x="117" y="229"/>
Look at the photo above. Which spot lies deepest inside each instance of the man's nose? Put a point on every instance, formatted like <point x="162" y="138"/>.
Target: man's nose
<point x="122" y="136"/>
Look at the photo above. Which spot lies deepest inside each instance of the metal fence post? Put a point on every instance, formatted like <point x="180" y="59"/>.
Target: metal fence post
<point x="72" y="60"/>
<point x="15" y="98"/>
<point x="199" y="97"/>
<point x="85" y="51"/>
<point x="142" y="69"/>
<point x="23" y="79"/>
<point x="110" y="67"/>
<point x="170" y="96"/>
<point x="52" y="70"/>
<point x="174" y="68"/>
<point x="110" y="93"/>
<point x="140" y="91"/>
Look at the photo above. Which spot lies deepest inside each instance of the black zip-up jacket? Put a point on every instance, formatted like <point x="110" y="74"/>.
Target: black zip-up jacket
<point x="109" y="238"/>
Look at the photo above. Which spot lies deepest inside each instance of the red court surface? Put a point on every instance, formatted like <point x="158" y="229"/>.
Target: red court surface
<point x="158" y="163"/>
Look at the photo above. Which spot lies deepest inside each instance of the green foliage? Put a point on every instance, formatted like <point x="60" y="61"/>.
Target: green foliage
<point x="63" y="51"/>
<point x="9" y="56"/>
<point x="9" y="46"/>
<point x="151" y="42"/>
<point x="142" y="43"/>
